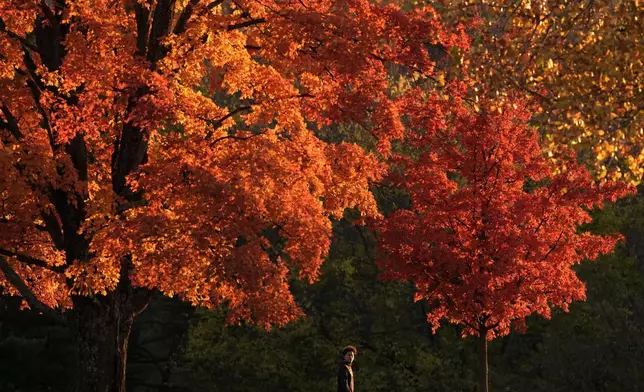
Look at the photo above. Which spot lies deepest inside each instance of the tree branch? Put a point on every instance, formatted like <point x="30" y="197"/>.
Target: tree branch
<point x="35" y="93"/>
<point x="216" y="124"/>
<point x="53" y="228"/>
<point x="161" y="20"/>
<point x="50" y="15"/>
<point x="235" y="138"/>
<point x="187" y="12"/>
<point x="35" y="87"/>
<point x="553" y="247"/>
<point x="142" y="17"/>
<point x="11" y="124"/>
<point x="247" y="23"/>
<point x="131" y="204"/>
<point x="26" y="44"/>
<point x="214" y="4"/>
<point x="31" y="261"/>
<point x="141" y="300"/>
<point x="26" y="293"/>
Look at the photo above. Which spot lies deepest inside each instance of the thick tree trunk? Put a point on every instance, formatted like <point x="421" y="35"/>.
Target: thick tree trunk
<point x="103" y="331"/>
<point x="103" y="327"/>
<point x="483" y="368"/>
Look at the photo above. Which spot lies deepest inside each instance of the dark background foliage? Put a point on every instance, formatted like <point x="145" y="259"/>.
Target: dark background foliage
<point x="597" y="346"/>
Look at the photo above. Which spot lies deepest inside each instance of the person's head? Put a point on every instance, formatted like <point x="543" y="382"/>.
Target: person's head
<point x="348" y="354"/>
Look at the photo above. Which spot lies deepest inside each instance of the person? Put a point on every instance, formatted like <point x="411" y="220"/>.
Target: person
<point x="346" y="382"/>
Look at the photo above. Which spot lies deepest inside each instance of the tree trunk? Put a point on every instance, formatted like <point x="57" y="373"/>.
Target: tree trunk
<point x="483" y="369"/>
<point x="103" y="326"/>
<point x="103" y="332"/>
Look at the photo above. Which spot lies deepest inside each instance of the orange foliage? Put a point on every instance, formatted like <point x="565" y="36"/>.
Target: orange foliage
<point x="173" y="134"/>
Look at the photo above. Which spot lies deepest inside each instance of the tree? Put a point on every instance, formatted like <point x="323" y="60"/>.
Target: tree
<point x="491" y="235"/>
<point x="170" y="145"/>
<point x="580" y="60"/>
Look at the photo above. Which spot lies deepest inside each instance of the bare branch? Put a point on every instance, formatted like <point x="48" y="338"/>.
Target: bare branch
<point x="141" y="300"/>
<point x="251" y="22"/>
<point x="216" y="124"/>
<point x="235" y="138"/>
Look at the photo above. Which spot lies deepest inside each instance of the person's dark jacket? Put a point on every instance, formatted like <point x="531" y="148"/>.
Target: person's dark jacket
<point x="345" y="378"/>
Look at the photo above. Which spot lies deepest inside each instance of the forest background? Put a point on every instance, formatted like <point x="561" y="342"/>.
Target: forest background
<point x="581" y="62"/>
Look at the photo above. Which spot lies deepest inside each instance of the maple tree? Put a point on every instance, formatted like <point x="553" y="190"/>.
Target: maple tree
<point x="170" y="145"/>
<point x="491" y="234"/>
<point x="580" y="60"/>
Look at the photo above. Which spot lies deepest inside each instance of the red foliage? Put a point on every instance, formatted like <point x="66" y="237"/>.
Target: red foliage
<point x="492" y="234"/>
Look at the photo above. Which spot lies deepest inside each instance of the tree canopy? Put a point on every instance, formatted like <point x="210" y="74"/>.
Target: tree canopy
<point x="580" y="60"/>
<point x="176" y="134"/>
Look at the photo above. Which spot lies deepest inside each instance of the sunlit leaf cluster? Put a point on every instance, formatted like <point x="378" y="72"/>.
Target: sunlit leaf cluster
<point x="581" y="60"/>
<point x="180" y="145"/>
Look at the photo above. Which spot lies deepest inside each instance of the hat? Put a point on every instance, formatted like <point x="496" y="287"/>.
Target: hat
<point x="349" y="348"/>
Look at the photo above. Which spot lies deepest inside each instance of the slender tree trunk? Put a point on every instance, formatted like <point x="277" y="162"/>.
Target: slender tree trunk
<point x="483" y="368"/>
